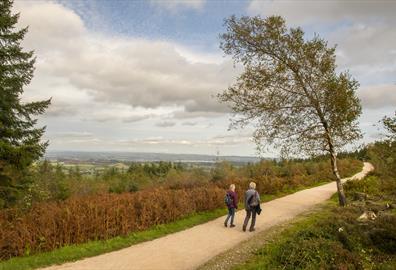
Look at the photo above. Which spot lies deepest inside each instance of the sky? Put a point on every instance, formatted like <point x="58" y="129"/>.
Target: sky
<point x="142" y="76"/>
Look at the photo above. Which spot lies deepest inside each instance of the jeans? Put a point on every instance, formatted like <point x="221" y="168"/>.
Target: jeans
<point x="251" y="212"/>
<point x="231" y="214"/>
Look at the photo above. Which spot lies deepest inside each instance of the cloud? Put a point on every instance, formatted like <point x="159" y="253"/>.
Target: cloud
<point x="174" y="5"/>
<point x="132" y="71"/>
<point x="135" y="118"/>
<point x="379" y="96"/>
<point x="362" y="30"/>
<point x="189" y="123"/>
<point x="166" y="124"/>
<point x="303" y="12"/>
<point x="73" y="135"/>
<point x="228" y="140"/>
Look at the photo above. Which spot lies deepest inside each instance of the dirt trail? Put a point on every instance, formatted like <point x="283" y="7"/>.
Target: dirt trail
<point x="191" y="248"/>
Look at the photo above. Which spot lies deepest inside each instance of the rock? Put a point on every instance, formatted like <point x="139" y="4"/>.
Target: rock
<point x="367" y="215"/>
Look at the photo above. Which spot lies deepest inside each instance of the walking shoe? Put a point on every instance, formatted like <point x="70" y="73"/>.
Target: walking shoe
<point x="232" y="226"/>
<point x="244" y="228"/>
<point x="225" y="225"/>
<point x="252" y="229"/>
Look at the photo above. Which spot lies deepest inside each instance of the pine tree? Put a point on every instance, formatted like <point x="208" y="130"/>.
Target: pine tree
<point x="20" y="140"/>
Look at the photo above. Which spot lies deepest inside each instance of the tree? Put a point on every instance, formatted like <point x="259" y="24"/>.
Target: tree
<point x="20" y="141"/>
<point x="390" y="125"/>
<point x="289" y="90"/>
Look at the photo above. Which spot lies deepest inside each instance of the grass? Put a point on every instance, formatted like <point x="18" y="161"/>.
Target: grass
<point x="332" y="238"/>
<point x="93" y="248"/>
<point x="264" y="257"/>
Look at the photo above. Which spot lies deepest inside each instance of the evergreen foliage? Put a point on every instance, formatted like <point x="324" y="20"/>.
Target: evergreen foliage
<point x="20" y="140"/>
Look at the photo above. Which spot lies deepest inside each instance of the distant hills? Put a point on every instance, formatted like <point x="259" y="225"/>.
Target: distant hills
<point x="111" y="157"/>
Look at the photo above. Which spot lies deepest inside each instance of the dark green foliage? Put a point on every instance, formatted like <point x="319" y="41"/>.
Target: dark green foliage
<point x="335" y="238"/>
<point x="383" y="235"/>
<point x="20" y="143"/>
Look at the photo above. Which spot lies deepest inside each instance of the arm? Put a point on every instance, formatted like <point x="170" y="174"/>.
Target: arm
<point x="235" y="200"/>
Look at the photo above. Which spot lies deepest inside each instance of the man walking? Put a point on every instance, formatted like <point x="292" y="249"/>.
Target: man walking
<point x="252" y="202"/>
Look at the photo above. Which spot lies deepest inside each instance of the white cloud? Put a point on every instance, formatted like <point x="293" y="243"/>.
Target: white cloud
<point x="129" y="71"/>
<point x="174" y="5"/>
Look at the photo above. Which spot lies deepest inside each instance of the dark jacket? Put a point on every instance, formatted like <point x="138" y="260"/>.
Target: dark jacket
<point x="253" y="197"/>
<point x="234" y="197"/>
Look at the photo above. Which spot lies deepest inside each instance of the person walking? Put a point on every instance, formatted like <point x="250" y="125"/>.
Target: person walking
<point x="231" y="200"/>
<point x="252" y="205"/>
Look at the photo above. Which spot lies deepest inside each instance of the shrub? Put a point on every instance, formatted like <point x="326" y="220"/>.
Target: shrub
<point x="88" y="216"/>
<point x="50" y="225"/>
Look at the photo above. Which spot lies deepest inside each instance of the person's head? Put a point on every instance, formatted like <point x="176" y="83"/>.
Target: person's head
<point x="252" y="185"/>
<point x="232" y="187"/>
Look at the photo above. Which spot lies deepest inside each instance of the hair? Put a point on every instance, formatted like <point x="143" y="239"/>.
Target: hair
<point x="252" y="185"/>
<point x="232" y="187"/>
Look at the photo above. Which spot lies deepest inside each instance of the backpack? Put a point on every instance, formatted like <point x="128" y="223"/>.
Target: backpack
<point x="253" y="201"/>
<point x="228" y="199"/>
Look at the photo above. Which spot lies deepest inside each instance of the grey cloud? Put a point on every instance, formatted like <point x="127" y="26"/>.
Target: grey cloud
<point x="376" y="97"/>
<point x="72" y="135"/>
<point x="370" y="45"/>
<point x="300" y="12"/>
<point x="197" y="114"/>
<point x="135" y="118"/>
<point x="166" y="124"/>
<point x="189" y="123"/>
<point x="214" y="141"/>
<point x="60" y="108"/>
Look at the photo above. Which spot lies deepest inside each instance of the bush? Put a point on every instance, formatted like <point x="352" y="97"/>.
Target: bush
<point x="88" y="216"/>
<point x="51" y="225"/>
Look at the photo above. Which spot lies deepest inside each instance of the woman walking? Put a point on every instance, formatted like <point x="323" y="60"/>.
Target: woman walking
<point x="231" y="200"/>
<point x="252" y="204"/>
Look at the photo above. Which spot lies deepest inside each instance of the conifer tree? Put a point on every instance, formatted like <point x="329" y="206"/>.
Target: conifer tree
<point x="20" y="139"/>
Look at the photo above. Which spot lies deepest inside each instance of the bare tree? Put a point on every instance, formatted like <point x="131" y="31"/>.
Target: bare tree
<point x="289" y="90"/>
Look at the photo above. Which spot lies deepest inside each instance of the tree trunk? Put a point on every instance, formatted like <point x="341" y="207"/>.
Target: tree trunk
<point x="340" y="189"/>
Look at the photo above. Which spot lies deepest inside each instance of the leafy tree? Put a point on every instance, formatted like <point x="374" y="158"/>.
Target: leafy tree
<point x="289" y="89"/>
<point x="20" y="140"/>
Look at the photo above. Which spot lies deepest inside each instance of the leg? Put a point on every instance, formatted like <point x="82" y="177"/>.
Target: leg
<point x="228" y="217"/>
<point x="248" y="213"/>
<point x="232" y="216"/>
<point x="253" y="219"/>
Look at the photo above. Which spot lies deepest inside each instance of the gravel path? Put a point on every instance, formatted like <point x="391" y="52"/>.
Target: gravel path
<point x="193" y="247"/>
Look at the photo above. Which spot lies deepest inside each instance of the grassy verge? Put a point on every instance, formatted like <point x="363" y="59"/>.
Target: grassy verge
<point x="93" y="248"/>
<point x="334" y="238"/>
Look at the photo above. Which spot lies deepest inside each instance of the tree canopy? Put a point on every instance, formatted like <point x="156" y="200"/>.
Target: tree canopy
<point x="290" y="89"/>
<point x="20" y="140"/>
